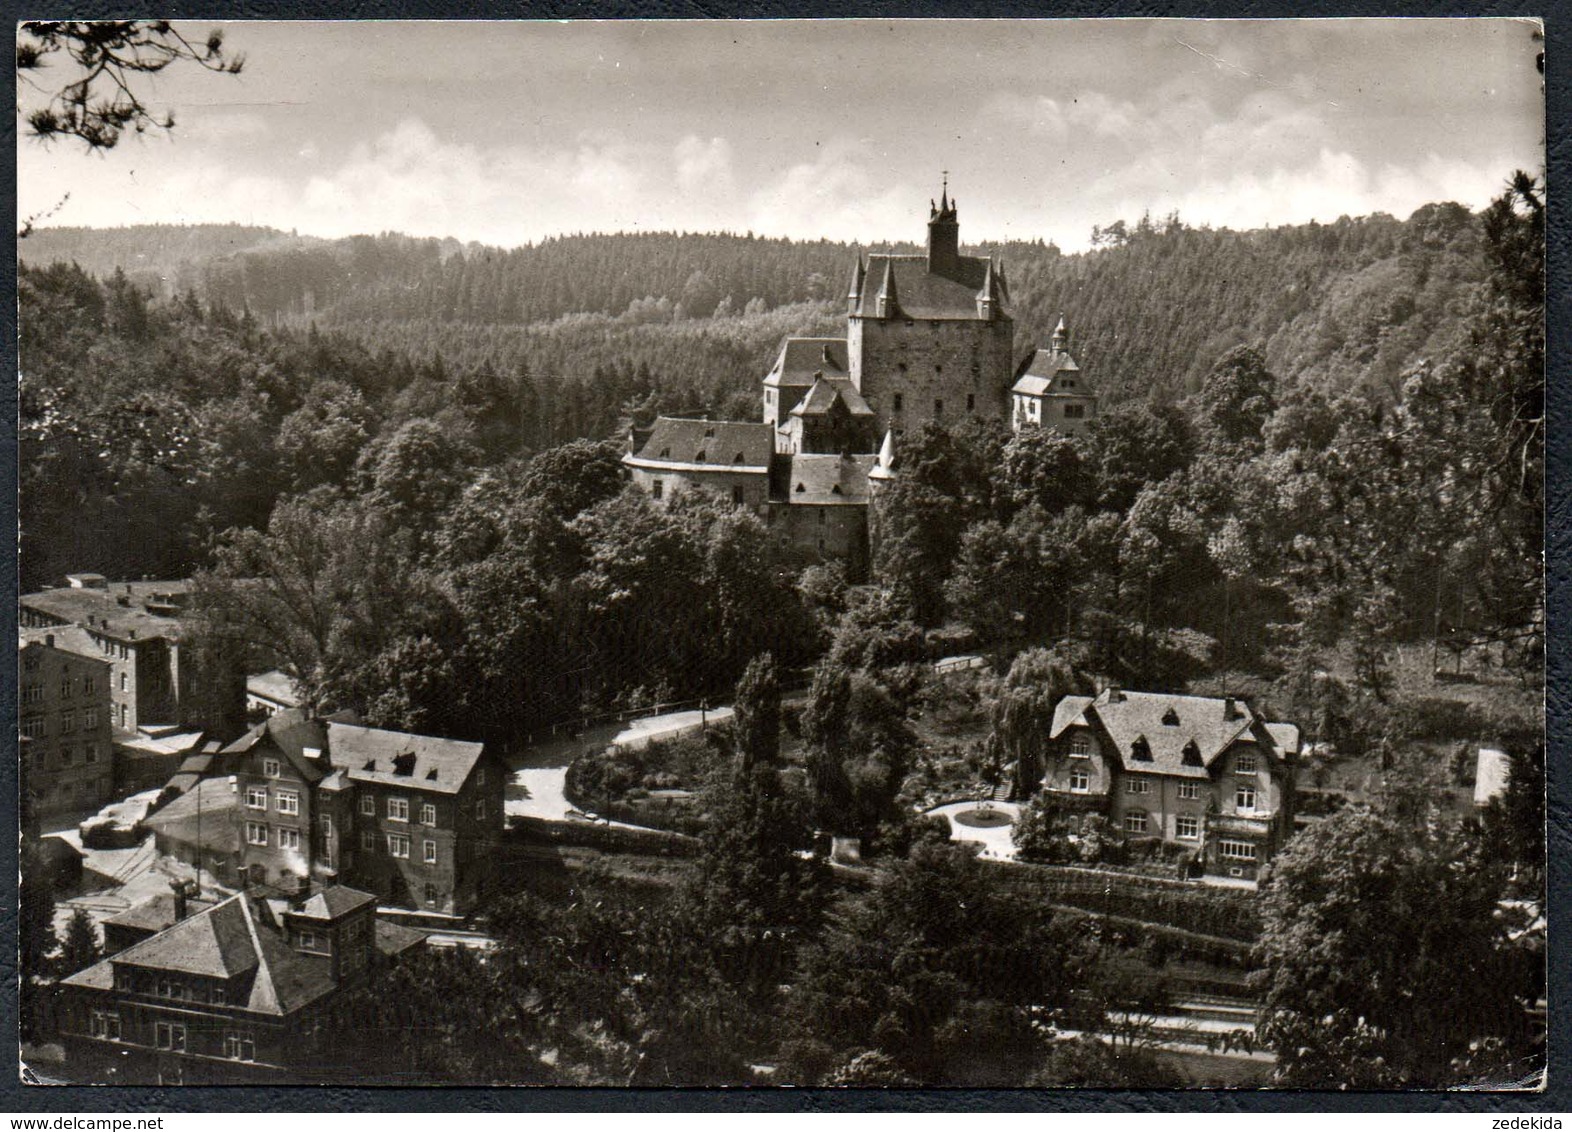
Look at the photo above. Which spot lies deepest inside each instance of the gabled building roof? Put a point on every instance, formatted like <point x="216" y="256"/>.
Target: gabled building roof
<point x="823" y="479"/>
<point x="67" y="638"/>
<point x="829" y="391"/>
<point x="717" y="445"/>
<point x="392" y="758"/>
<point x="292" y="732"/>
<point x="921" y="294"/>
<point x="1164" y="726"/>
<point x="1045" y="371"/>
<point x="800" y="359"/>
<point x="279" y="687"/>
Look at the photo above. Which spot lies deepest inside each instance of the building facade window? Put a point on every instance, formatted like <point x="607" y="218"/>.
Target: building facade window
<point x="288" y="802"/>
<point x="1235" y="850"/>
<point x="368" y="806"/>
<point x="89" y="719"/>
<point x="1190" y="790"/>
<point x="32" y="693"/>
<point x="256" y="797"/>
<point x="1244" y="799"/>
<point x="1080" y="782"/>
<point x="657" y="489"/>
<point x="308" y="940"/>
<point x="271" y="768"/>
<point x="124" y="682"/>
<point x="1080" y="747"/>
<point x="431" y="893"/>
<point x="240" y="1045"/>
<point x="1074" y="412"/>
<point x="105" y="1024"/>
<point x="256" y="833"/>
<point x="326" y="822"/>
<point x="398" y="845"/>
<point x="170" y="1036"/>
<point x="288" y="838"/>
<point x="90" y="753"/>
<point x="1187" y="826"/>
<point x="67" y="722"/>
<point x="736" y="494"/>
<point x="398" y="809"/>
<point x="429" y="852"/>
<point x="1244" y="764"/>
<point x="896" y="406"/>
<point x="428" y="814"/>
<point x="368" y="839"/>
<point x="1135" y="822"/>
<point x="33" y="728"/>
<point x="1137" y="786"/>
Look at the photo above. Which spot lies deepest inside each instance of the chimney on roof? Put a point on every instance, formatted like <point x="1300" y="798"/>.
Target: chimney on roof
<point x="1115" y="696"/>
<point x="1231" y="708"/>
<point x="128" y="587"/>
<point x="182" y="890"/>
<point x="49" y="640"/>
<point x="301" y="891"/>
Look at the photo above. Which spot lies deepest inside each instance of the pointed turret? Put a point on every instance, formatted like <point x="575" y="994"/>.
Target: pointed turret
<point x="989" y="300"/>
<point x="889" y="302"/>
<point x="1061" y="338"/>
<point x="884" y="467"/>
<point x="854" y="296"/>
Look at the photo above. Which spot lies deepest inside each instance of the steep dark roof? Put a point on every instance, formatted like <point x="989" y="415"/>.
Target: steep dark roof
<point x="826" y="392"/>
<point x="368" y="754"/>
<point x="291" y="732"/>
<point x="924" y="295"/>
<point x="332" y="903"/>
<point x="1045" y="370"/>
<point x="828" y="479"/>
<point x="725" y="443"/>
<point x="1169" y="723"/>
<point x="237" y="937"/>
<point x="800" y="358"/>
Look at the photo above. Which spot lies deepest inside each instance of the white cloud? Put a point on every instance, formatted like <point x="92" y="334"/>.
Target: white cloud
<point x="704" y="166"/>
<point x="835" y="196"/>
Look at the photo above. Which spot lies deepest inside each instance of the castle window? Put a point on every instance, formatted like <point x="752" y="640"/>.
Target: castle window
<point x="823" y="516"/>
<point x="938" y="406"/>
<point x="736" y="493"/>
<point x="971" y="402"/>
<point x="657" y="488"/>
<point x="897" y="405"/>
<point x="709" y="432"/>
<point x="901" y="366"/>
<point x="700" y="456"/>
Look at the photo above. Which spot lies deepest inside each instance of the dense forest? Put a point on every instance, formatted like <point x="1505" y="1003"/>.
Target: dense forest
<point x="1317" y="446"/>
<point x="1347" y="305"/>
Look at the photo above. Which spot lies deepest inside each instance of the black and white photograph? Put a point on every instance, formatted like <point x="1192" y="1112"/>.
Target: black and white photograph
<point x="882" y="554"/>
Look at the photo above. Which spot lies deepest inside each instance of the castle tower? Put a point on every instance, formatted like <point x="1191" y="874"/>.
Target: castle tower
<point x="929" y="337"/>
<point x="944" y="236"/>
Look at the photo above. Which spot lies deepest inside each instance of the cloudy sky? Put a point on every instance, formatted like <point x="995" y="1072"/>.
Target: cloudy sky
<point x="508" y="132"/>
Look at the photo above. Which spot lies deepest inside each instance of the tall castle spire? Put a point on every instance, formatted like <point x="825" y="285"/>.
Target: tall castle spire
<point x="889" y="302"/>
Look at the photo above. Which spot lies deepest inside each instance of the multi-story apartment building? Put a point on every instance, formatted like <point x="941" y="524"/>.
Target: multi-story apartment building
<point x="412" y="818"/>
<point x="1204" y="772"/>
<point x="138" y="628"/>
<point x="233" y="993"/>
<point x="67" y="753"/>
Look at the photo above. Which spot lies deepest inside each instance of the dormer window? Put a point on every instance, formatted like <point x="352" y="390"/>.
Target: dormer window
<point x="801" y="487"/>
<point x="737" y="459"/>
<point x="1192" y="754"/>
<point x="700" y="456"/>
<point x="836" y="489"/>
<point x="709" y="432"/>
<point x="1170" y="718"/>
<point x="665" y="452"/>
<point x="1080" y="747"/>
<point x="1141" y="750"/>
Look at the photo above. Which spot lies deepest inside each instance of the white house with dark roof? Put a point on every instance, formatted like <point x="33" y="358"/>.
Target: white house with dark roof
<point x="1050" y="391"/>
<point x="1204" y="772"/>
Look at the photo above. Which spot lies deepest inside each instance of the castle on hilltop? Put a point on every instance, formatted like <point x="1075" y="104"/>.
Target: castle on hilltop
<point x="929" y="338"/>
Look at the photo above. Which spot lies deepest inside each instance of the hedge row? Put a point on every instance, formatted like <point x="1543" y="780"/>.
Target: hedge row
<point x="1216" y="912"/>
